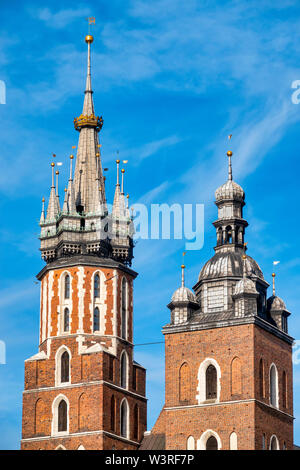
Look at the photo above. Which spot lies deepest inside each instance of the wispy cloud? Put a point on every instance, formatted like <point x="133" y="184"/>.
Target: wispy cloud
<point x="62" y="18"/>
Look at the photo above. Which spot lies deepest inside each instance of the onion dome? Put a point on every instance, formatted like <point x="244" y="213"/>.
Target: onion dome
<point x="275" y="303"/>
<point x="230" y="190"/>
<point x="229" y="263"/>
<point x="245" y="286"/>
<point x="183" y="294"/>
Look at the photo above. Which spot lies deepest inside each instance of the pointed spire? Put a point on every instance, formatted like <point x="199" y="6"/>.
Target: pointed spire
<point x="182" y="275"/>
<point x="52" y="211"/>
<point x="122" y="187"/>
<point x="273" y="276"/>
<point x="42" y="219"/>
<point x="57" y="193"/>
<point x="229" y="155"/>
<point x="88" y="105"/>
<point x="69" y="202"/>
<point x="65" y="208"/>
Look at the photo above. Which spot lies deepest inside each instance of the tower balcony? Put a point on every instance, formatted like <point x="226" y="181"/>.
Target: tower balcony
<point x="88" y="121"/>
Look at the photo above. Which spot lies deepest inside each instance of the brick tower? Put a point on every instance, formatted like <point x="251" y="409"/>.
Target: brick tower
<point x="83" y="389"/>
<point x="228" y="355"/>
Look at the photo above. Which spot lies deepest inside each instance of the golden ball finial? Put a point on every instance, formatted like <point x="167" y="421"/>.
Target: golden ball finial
<point x="43" y="200"/>
<point x="118" y="161"/>
<point x="71" y="157"/>
<point x="57" y="172"/>
<point x="273" y="274"/>
<point x="97" y="154"/>
<point x="244" y="257"/>
<point x="229" y="153"/>
<point x="127" y="196"/>
<point x="182" y="266"/>
<point x="122" y="171"/>
<point x="65" y="190"/>
<point x="89" y="39"/>
<point x="52" y="164"/>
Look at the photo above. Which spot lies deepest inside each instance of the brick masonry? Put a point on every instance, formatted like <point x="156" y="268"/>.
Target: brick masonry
<point x="94" y="374"/>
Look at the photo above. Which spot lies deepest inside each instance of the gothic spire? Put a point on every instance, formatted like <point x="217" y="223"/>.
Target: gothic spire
<point x="88" y="172"/>
<point x="42" y="219"/>
<point x="52" y="211"/>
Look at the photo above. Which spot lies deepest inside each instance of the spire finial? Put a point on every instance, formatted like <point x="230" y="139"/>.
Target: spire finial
<point x="182" y="269"/>
<point x="122" y="187"/>
<point x="118" y="166"/>
<point x="71" y="167"/>
<point x="244" y="257"/>
<point x="52" y="166"/>
<point x="273" y="276"/>
<point x="57" y="173"/>
<point x="229" y="155"/>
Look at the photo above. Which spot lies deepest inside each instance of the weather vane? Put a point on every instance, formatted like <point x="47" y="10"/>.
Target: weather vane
<point x="91" y="20"/>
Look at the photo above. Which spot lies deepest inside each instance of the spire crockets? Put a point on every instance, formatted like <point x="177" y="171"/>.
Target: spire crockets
<point x="52" y="211"/>
<point x="88" y="172"/>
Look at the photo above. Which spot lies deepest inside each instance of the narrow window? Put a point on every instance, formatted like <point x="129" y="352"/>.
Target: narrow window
<point x="261" y="379"/>
<point x="233" y="441"/>
<point x="273" y="386"/>
<point x="113" y="413"/>
<point x="124" y="371"/>
<point x="284" y="390"/>
<point x="124" y="310"/>
<point x="263" y="442"/>
<point x="134" y="375"/>
<point x="211" y="443"/>
<point x="135" y="422"/>
<point x="65" y="366"/>
<point x="67" y="286"/>
<point x="96" y="323"/>
<point x="97" y="286"/>
<point x="124" y="419"/>
<point x="62" y="416"/>
<point x="66" y="320"/>
<point x="111" y="368"/>
<point x="190" y="444"/>
<point x="274" y="443"/>
<point x="211" y="382"/>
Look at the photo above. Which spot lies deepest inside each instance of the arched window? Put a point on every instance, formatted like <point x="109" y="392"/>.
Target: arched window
<point x="66" y="320"/>
<point x="62" y="416"/>
<point x="261" y="379"/>
<point x="124" y="418"/>
<point x="97" y="286"/>
<point x="284" y="446"/>
<point x="113" y="413"/>
<point x="284" y="389"/>
<point x="124" y="309"/>
<point x="233" y="441"/>
<point x="135" y="422"/>
<point x="190" y="443"/>
<point x="212" y="443"/>
<point x="236" y="376"/>
<point x="123" y="371"/>
<point x="211" y="382"/>
<point x="65" y="367"/>
<point x="67" y="286"/>
<point x="228" y="234"/>
<point x="273" y="386"/>
<point x="263" y="445"/>
<point x="274" y="444"/>
<point x="96" y="320"/>
<point x="184" y="383"/>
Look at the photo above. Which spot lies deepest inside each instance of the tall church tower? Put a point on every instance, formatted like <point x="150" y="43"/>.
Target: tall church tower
<point x="228" y="354"/>
<point x="83" y="389"/>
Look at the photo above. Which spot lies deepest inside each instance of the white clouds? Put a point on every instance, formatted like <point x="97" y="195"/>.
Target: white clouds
<point x="62" y="18"/>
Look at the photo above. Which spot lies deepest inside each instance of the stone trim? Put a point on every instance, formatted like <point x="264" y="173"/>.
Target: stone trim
<point x="87" y="384"/>
<point x="76" y="434"/>
<point x="232" y="402"/>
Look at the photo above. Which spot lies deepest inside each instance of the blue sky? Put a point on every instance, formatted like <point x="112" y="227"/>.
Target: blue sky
<point x="172" y="79"/>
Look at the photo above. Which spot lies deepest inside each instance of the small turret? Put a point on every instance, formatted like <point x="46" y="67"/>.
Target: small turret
<point x="277" y="310"/>
<point x="183" y="302"/>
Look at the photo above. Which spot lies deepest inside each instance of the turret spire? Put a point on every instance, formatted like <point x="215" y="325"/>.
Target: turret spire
<point x="52" y="210"/>
<point x="42" y="219"/>
<point x="229" y="155"/>
<point x="182" y="275"/>
<point x="273" y="276"/>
